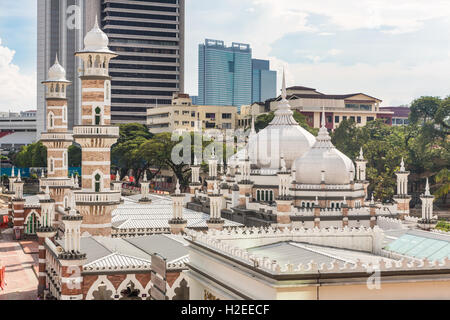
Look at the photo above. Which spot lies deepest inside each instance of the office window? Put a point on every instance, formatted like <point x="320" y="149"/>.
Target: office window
<point x="329" y="119"/>
<point x="352" y="118"/>
<point x="226" y="115"/>
<point x="193" y="114"/>
<point x="185" y="123"/>
<point x="211" y="115"/>
<point x="366" y="107"/>
<point x="230" y="66"/>
<point x="192" y="124"/>
<point x="370" y="119"/>
<point x="226" y="125"/>
<point x="358" y="119"/>
<point x="344" y="118"/>
<point x="177" y="112"/>
<point x="185" y="113"/>
<point x="177" y="122"/>
<point x="336" y="119"/>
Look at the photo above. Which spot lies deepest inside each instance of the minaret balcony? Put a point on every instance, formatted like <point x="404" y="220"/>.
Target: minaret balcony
<point x="96" y="132"/>
<point x="102" y="72"/>
<point x="96" y="198"/>
<point x="55" y="95"/>
<point x="49" y="136"/>
<point x="57" y="183"/>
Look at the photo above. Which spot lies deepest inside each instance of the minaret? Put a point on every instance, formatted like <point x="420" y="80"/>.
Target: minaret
<point x="245" y="184"/>
<point x="195" y="178"/>
<point x="177" y="223"/>
<point x="57" y="139"/>
<point x="11" y="180"/>
<point x="96" y="200"/>
<point x="145" y="189"/>
<point x="361" y="164"/>
<point x="45" y="231"/>
<point x="215" y="202"/>
<point x="72" y="259"/>
<point x="402" y="198"/>
<point x="427" y="199"/>
<point x="18" y="207"/>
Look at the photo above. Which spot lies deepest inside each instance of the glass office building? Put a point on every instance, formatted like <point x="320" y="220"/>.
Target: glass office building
<point x="225" y="74"/>
<point x="264" y="83"/>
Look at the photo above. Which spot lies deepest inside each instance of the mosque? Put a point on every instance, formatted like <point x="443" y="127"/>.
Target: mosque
<point x="285" y="199"/>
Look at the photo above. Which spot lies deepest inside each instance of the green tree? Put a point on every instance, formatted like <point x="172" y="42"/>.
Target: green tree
<point x="443" y="184"/>
<point x="125" y="153"/>
<point x="424" y="109"/>
<point x="33" y="155"/>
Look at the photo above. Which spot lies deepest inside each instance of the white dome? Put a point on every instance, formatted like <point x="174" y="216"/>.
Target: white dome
<point x="324" y="161"/>
<point x="56" y="72"/>
<point x="283" y="137"/>
<point x="96" y="40"/>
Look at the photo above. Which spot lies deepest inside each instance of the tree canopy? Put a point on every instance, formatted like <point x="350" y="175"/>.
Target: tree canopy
<point x="264" y="120"/>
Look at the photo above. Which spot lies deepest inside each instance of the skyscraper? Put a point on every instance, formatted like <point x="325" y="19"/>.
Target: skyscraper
<point x="61" y="26"/>
<point x="225" y="74"/>
<point x="149" y="36"/>
<point x="264" y="81"/>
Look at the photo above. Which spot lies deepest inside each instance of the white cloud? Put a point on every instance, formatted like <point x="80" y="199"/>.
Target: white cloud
<point x="17" y="90"/>
<point x="393" y="82"/>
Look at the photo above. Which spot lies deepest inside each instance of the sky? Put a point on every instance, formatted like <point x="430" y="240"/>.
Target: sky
<point x="394" y="50"/>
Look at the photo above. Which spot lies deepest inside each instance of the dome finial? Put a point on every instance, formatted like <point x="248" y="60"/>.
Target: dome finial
<point x="402" y="165"/>
<point x="283" y="89"/>
<point x="96" y="22"/>
<point x="177" y="190"/>
<point x="118" y="176"/>
<point x="56" y="60"/>
<point x="361" y="154"/>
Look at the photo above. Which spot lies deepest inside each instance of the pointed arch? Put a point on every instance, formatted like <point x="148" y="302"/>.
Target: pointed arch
<point x="51" y="120"/>
<point x="102" y="281"/>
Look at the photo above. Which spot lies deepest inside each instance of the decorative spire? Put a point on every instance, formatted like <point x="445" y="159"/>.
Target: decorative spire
<point x="43" y="176"/>
<point x="56" y="60"/>
<point x="13" y="174"/>
<point x="345" y="199"/>
<point x="427" y="189"/>
<point x="47" y="193"/>
<point x="177" y="190"/>
<point x="372" y="201"/>
<point x="317" y="201"/>
<point x="283" y="89"/>
<point x="118" y="176"/>
<point x="96" y="23"/>
<point x="283" y="163"/>
<point x="145" y="176"/>
<point x="19" y="177"/>
<point x="361" y="154"/>
<point x="73" y="205"/>
<point x="195" y="160"/>
<point x="402" y="166"/>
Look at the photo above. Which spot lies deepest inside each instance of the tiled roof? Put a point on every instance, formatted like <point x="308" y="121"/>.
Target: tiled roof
<point x="118" y="261"/>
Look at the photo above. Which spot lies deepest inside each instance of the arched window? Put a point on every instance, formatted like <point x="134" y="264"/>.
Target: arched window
<point x="104" y="63"/>
<point x="107" y="91"/>
<point x="57" y="88"/>
<point x="307" y="205"/>
<point x="65" y="159"/>
<point x="303" y="204"/>
<point x="97" y="63"/>
<point x="32" y="224"/>
<point x="66" y="202"/>
<point x="52" y="88"/>
<point x="51" y="165"/>
<point x="258" y="195"/>
<point x="271" y="196"/>
<point x="267" y="196"/>
<point x="63" y="88"/>
<point x="97" y="182"/>
<point x="332" y="205"/>
<point x="98" y="116"/>
<point x="90" y="62"/>
<point x="50" y="121"/>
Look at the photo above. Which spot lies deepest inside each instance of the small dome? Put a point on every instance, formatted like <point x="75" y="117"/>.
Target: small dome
<point x="324" y="161"/>
<point x="96" y="40"/>
<point x="56" y="72"/>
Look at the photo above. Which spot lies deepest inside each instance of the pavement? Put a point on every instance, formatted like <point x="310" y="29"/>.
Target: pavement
<point x="21" y="279"/>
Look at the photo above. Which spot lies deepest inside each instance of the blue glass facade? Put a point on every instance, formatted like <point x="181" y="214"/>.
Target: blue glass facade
<point x="225" y="74"/>
<point x="264" y="82"/>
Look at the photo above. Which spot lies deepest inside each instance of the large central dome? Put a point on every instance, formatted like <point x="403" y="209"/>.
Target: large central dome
<point x="282" y="137"/>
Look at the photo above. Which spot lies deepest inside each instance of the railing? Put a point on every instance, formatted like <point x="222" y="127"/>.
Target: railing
<point x="56" y="182"/>
<point x="87" y="197"/>
<point x="96" y="72"/>
<point x="56" y="136"/>
<point x="96" y="130"/>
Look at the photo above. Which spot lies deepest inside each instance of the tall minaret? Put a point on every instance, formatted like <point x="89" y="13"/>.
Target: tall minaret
<point x="57" y="139"/>
<point x="177" y="223"/>
<point x="195" y="178"/>
<point x="402" y="198"/>
<point x="96" y="200"/>
<point x="361" y="164"/>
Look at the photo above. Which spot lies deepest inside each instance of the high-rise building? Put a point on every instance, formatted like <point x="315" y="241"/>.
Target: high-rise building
<point x="149" y="36"/>
<point x="61" y="26"/>
<point x="264" y="81"/>
<point x="225" y="74"/>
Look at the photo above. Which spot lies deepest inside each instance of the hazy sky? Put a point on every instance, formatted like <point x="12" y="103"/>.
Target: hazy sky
<point x="393" y="50"/>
